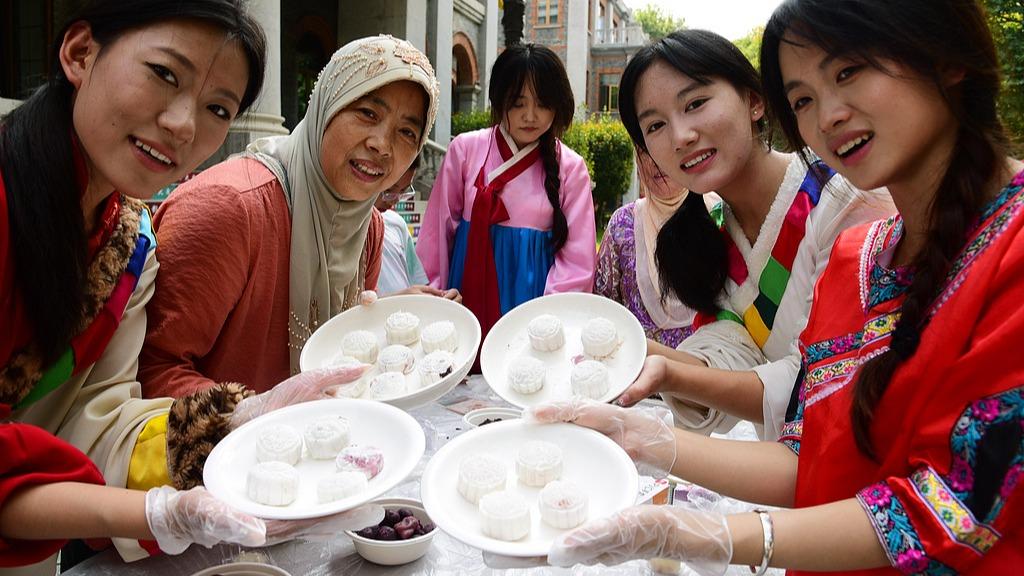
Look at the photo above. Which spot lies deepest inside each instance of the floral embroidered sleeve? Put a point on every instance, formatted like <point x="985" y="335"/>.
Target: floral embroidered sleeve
<point x="942" y="523"/>
<point x="793" y="428"/>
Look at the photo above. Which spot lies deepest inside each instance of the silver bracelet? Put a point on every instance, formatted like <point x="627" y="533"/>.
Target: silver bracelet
<point x="769" y="542"/>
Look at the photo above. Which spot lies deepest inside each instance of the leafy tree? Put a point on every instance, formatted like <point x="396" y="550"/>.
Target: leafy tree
<point x="656" y="23"/>
<point x="1006" y="18"/>
<point x="750" y="45"/>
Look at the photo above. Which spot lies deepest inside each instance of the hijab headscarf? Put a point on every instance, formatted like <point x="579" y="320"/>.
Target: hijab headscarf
<point x="650" y="214"/>
<point x="327" y="269"/>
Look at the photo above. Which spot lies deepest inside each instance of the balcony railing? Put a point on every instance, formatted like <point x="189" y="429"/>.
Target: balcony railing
<point x="632" y="35"/>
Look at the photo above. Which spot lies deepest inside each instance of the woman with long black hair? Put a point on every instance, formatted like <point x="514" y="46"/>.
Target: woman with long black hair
<point x="903" y="446"/>
<point x="695" y="104"/>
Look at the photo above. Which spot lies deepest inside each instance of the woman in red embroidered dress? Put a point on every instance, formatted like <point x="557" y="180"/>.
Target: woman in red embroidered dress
<point x="903" y="447"/>
<point x="141" y="92"/>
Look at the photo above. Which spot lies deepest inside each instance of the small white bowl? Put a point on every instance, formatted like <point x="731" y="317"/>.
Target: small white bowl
<point x="395" y="552"/>
<point x="493" y="413"/>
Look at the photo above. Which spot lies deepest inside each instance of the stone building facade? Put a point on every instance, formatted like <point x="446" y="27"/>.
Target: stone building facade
<point x="594" y="38"/>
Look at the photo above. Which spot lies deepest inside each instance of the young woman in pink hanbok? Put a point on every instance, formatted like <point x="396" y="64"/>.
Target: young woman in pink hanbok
<point x="511" y="215"/>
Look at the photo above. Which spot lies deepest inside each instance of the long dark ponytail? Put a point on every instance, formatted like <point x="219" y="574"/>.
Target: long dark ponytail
<point x="540" y="67"/>
<point x="691" y="251"/>
<point x="933" y="38"/>
<point x="45" y="216"/>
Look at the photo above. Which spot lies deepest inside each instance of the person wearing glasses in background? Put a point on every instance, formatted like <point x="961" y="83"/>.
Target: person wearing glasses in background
<point x="399" y="268"/>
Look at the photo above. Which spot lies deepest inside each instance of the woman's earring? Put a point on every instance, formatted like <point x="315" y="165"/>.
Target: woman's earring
<point x="756" y="113"/>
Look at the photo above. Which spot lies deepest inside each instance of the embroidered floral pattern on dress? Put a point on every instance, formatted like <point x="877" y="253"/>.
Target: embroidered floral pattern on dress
<point x="1004" y="207"/>
<point x="970" y="429"/>
<point x="793" y="431"/>
<point x="945" y="497"/>
<point x="886" y="284"/>
<point x="959" y="523"/>
<point x="873" y="331"/>
<point x="899" y="538"/>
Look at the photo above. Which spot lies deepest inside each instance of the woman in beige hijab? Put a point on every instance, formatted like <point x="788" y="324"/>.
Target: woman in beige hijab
<point x="626" y="268"/>
<point x="260" y="250"/>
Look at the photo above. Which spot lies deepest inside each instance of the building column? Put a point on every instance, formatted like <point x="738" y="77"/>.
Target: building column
<point x="577" y="48"/>
<point x="443" y="67"/>
<point x="490" y="51"/>
<point x="264" y="117"/>
<point x="416" y="23"/>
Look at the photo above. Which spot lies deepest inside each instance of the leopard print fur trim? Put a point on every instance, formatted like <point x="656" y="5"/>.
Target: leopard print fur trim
<point x="25" y="367"/>
<point x="194" y="426"/>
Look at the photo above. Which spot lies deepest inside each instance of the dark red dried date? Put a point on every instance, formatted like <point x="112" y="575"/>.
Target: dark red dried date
<point x="370" y="532"/>
<point x="403" y="525"/>
<point x="391" y="517"/>
<point x="407" y="527"/>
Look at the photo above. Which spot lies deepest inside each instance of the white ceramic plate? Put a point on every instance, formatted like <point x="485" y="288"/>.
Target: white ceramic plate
<point x="325" y="344"/>
<point x="508" y="341"/>
<point x="395" y="432"/>
<point x="590" y="460"/>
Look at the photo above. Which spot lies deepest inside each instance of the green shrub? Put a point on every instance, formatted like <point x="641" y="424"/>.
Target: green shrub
<point x="604" y="144"/>
<point x="469" y="121"/>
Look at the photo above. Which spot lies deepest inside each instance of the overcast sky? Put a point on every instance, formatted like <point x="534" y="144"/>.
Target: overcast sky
<point x="730" y="18"/>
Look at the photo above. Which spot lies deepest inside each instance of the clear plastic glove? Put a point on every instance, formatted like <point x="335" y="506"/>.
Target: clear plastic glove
<point x="303" y="387"/>
<point x="701" y="540"/>
<point x="178" y="519"/>
<point x="326" y="528"/>
<point x="644" y="433"/>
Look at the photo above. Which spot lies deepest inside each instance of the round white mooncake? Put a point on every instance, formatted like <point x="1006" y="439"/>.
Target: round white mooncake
<point x="343" y="360"/>
<point x="339" y="485"/>
<point x="589" y="379"/>
<point x="526" y="375"/>
<point x="538" y="462"/>
<point x="480" y="474"/>
<point x="326" y="436"/>
<point x="278" y="443"/>
<point x="361" y="345"/>
<point x="402" y="328"/>
<point x="435" y="366"/>
<point x="388" y="385"/>
<point x="562" y="505"/>
<point x="367" y="460"/>
<point x="439" y="336"/>
<point x="546" y="333"/>
<point x="354" y="389"/>
<point x="272" y="483"/>
<point x="396" y="358"/>
<point x="504" y="515"/>
<point x="600" y="338"/>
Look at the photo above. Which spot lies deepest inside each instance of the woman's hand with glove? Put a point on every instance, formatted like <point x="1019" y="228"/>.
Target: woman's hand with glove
<point x="303" y="387"/>
<point x="180" y="518"/>
<point x="701" y="540"/>
<point x="644" y="433"/>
